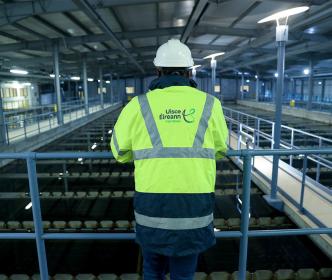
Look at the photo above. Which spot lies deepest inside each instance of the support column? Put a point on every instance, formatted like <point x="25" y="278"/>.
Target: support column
<point x="57" y="81"/>
<point x="118" y="88"/>
<point x="257" y="87"/>
<point x="323" y="91"/>
<point x="302" y="90"/>
<point x="85" y="87"/>
<point x="294" y="89"/>
<point x="242" y="85"/>
<point x="213" y="75"/>
<point x="101" y="87"/>
<point x="282" y="36"/>
<point x="3" y="131"/>
<point x="310" y="85"/>
<point x="111" y="88"/>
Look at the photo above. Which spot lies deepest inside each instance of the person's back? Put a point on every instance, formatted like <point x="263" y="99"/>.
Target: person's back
<point x="174" y="134"/>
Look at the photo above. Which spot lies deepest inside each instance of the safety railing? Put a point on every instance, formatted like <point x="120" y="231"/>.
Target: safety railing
<point x="244" y="233"/>
<point x="33" y="124"/>
<point x="260" y="133"/>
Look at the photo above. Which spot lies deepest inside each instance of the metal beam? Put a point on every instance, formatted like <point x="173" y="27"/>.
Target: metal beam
<point x="95" y="16"/>
<point x="193" y="20"/>
<point x="12" y="12"/>
<point x="241" y="32"/>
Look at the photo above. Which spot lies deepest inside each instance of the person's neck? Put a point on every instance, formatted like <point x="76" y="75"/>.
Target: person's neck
<point x="165" y="81"/>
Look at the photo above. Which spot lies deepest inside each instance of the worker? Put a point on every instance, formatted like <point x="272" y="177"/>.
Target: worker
<point x="174" y="134"/>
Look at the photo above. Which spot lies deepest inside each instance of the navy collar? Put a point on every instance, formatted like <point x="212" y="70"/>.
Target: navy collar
<point x="171" y="80"/>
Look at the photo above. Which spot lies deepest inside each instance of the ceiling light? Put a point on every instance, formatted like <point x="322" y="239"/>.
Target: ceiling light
<point x="52" y="75"/>
<point x="18" y="71"/>
<point x="319" y="82"/>
<point x="285" y="14"/>
<point x="71" y="31"/>
<point x="256" y="77"/>
<point x="248" y="81"/>
<point x="27" y="84"/>
<point x="90" y="79"/>
<point x="75" y="78"/>
<point x="110" y="131"/>
<point x="80" y="159"/>
<point x="195" y="66"/>
<point x="94" y="146"/>
<point x="306" y="71"/>
<point x="214" y="55"/>
<point x="108" y="82"/>
<point x="28" y="206"/>
<point x="276" y="75"/>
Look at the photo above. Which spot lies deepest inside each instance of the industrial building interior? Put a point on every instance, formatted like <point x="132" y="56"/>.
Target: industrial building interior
<point x="67" y="68"/>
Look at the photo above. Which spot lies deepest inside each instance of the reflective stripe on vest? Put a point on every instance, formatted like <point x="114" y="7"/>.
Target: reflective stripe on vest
<point x="116" y="145"/>
<point x="173" y="223"/>
<point x="158" y="151"/>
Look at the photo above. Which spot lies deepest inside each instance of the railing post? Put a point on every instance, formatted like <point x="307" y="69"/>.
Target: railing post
<point x="292" y="144"/>
<point x="318" y="162"/>
<point x="25" y="129"/>
<point x="304" y="172"/>
<point x="37" y="218"/>
<point x="258" y="129"/>
<point x="245" y="216"/>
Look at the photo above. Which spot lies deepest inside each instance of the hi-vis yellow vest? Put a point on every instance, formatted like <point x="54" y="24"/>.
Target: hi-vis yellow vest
<point x="173" y="135"/>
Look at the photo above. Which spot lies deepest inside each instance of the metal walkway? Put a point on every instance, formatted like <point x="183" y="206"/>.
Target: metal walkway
<point x="307" y="202"/>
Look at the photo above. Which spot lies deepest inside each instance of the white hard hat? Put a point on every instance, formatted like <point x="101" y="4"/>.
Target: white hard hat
<point x="173" y="54"/>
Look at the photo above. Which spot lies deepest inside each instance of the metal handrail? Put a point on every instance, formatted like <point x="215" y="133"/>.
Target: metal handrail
<point x="243" y="234"/>
<point x="318" y="160"/>
<point x="50" y="117"/>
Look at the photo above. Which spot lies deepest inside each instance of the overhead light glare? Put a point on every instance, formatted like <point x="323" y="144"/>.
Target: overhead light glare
<point x="110" y="131"/>
<point x="94" y="146"/>
<point x="75" y="78"/>
<point x="19" y="71"/>
<point x="52" y="75"/>
<point x="28" y="206"/>
<point x="285" y="14"/>
<point x="276" y="75"/>
<point x="306" y="71"/>
<point x="214" y="55"/>
<point x="248" y="81"/>
<point x="108" y="82"/>
<point x="90" y="79"/>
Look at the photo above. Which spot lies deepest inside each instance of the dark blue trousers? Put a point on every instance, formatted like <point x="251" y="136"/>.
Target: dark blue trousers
<point x="181" y="268"/>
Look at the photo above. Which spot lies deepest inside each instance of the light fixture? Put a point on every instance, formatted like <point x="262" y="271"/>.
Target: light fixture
<point x="52" y="75"/>
<point x="319" y="82"/>
<point x="110" y="131"/>
<point x="306" y="71"/>
<point x="193" y="71"/>
<point x="281" y="19"/>
<point x="28" y="206"/>
<point x="80" y="159"/>
<point x="214" y="55"/>
<point x="27" y="84"/>
<point x="285" y="14"/>
<point x="94" y="146"/>
<point x="195" y="66"/>
<point x="75" y="78"/>
<point x="256" y="76"/>
<point x="213" y="64"/>
<point x="248" y="81"/>
<point x="18" y="71"/>
<point x="90" y="79"/>
<point x="98" y="81"/>
<point x="108" y="82"/>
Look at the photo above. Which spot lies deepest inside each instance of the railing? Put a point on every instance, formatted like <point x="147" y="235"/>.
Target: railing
<point x="33" y="124"/>
<point x="264" y="130"/>
<point x="247" y="155"/>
